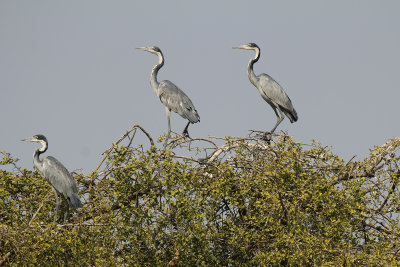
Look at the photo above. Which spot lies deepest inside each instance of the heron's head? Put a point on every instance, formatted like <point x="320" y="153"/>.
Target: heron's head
<point x="249" y="46"/>
<point x="39" y="138"/>
<point x="152" y="49"/>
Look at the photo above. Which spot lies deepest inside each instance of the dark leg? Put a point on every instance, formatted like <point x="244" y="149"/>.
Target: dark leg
<point x="66" y="214"/>
<point x="57" y="204"/>
<point x="185" y="132"/>
<point x="268" y="135"/>
<point x="168" y="111"/>
<point x="278" y="119"/>
<point x="67" y="208"/>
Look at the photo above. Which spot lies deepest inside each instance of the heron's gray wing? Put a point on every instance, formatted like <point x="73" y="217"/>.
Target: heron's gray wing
<point x="272" y="90"/>
<point x="59" y="177"/>
<point x="175" y="99"/>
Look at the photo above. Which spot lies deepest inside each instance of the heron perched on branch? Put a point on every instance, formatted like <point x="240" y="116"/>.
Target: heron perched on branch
<point x="171" y="96"/>
<point x="57" y="175"/>
<point x="270" y="90"/>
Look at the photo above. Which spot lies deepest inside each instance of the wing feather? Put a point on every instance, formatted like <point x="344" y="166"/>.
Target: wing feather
<point x="271" y="91"/>
<point x="59" y="177"/>
<point x="176" y="100"/>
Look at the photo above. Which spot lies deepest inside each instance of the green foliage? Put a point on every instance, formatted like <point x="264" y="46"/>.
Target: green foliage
<point x="244" y="202"/>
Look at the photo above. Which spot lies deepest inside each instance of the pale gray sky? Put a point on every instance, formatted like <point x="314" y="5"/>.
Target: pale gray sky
<point x="70" y="70"/>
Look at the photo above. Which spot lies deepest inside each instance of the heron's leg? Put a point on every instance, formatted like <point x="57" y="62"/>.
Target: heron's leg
<point x="185" y="132"/>
<point x="57" y="204"/>
<point x="278" y="120"/>
<point x="67" y="208"/>
<point x="168" y="111"/>
<point x="66" y="214"/>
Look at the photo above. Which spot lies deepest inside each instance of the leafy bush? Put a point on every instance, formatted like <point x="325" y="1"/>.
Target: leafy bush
<point x="232" y="201"/>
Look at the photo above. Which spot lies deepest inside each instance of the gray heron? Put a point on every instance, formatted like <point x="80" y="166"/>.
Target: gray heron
<point x="270" y="90"/>
<point x="170" y="95"/>
<point x="56" y="175"/>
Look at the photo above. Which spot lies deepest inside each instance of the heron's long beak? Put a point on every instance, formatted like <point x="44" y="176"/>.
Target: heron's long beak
<point x="240" y="47"/>
<point x="29" y="139"/>
<point x="143" y="48"/>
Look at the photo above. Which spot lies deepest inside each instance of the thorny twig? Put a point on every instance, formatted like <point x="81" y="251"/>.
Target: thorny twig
<point x="374" y="164"/>
<point x="40" y="207"/>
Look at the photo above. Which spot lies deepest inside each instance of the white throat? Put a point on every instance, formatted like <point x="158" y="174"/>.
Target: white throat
<point x="44" y="146"/>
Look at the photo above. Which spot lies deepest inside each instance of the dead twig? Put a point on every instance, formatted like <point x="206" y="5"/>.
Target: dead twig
<point x="392" y="189"/>
<point x="374" y="165"/>
<point x="40" y="207"/>
<point x="108" y="151"/>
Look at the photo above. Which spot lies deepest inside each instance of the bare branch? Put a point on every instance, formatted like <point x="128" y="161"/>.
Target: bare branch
<point x="392" y="189"/>
<point x="40" y="207"/>
<point x="374" y="164"/>
<point x="134" y="127"/>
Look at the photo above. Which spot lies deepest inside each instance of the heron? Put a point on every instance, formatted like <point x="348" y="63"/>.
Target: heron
<point x="56" y="175"/>
<point x="170" y="95"/>
<point x="270" y="90"/>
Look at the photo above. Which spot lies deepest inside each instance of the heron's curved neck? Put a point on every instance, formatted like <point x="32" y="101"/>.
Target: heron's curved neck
<point x="153" y="78"/>
<point x="37" y="162"/>
<point x="252" y="77"/>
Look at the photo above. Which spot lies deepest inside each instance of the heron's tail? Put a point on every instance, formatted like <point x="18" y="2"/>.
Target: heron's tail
<point x="291" y="114"/>
<point x="193" y="116"/>
<point x="74" y="201"/>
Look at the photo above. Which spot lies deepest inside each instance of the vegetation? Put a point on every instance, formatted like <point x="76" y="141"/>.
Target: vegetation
<point x="233" y="201"/>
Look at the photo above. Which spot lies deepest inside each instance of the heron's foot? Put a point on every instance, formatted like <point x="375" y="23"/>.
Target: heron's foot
<point x="185" y="133"/>
<point x="267" y="137"/>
